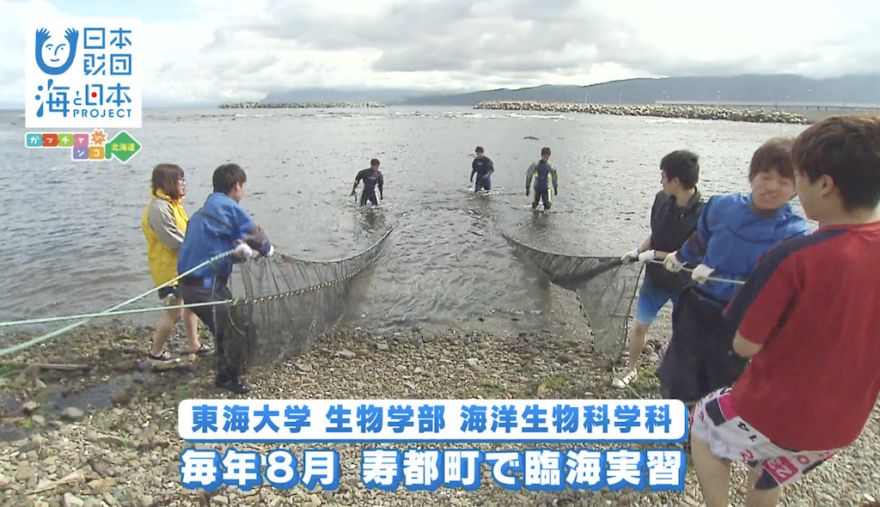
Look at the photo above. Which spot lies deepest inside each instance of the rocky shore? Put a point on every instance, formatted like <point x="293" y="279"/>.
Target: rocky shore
<point x="103" y="429"/>
<point x="300" y="105"/>
<point x="660" y="111"/>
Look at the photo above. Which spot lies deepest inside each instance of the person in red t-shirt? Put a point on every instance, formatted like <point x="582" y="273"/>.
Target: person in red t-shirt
<point x="808" y="320"/>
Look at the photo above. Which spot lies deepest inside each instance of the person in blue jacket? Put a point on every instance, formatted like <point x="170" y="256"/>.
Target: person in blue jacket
<point x="733" y="232"/>
<point x="219" y="226"/>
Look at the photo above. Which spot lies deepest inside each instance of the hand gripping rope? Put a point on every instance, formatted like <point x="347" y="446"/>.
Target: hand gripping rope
<point x="710" y="278"/>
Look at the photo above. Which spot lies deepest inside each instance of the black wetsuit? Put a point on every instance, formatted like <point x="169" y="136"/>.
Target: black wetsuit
<point x="371" y="179"/>
<point x="483" y="168"/>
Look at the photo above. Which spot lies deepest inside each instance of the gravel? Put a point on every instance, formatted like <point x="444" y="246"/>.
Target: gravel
<point x="108" y="437"/>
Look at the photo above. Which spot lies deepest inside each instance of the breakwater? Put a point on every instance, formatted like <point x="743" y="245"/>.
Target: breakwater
<point x="656" y="110"/>
<point x="300" y="105"/>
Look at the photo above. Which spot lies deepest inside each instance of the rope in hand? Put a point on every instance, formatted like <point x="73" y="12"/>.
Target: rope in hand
<point x="272" y="297"/>
<point x="710" y="279"/>
<point x="40" y="339"/>
<point x="114" y="310"/>
<point x="48" y="320"/>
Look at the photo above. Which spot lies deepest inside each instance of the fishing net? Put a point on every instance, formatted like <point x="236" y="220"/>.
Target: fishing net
<point x="284" y="303"/>
<point x="605" y="288"/>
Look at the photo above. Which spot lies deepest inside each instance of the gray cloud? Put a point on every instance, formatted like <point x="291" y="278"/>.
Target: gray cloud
<point x="494" y="38"/>
<point x="260" y="46"/>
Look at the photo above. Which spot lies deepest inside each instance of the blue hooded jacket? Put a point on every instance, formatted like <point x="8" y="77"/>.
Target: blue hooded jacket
<point x="216" y="229"/>
<point x="731" y="237"/>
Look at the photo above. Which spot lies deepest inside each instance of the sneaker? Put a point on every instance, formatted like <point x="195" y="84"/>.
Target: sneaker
<point x="625" y="380"/>
<point x="235" y="385"/>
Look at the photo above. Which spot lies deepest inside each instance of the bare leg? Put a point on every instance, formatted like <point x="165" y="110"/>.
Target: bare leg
<point x="637" y="344"/>
<point x="163" y="330"/>
<point x="761" y="497"/>
<point x="191" y="326"/>
<point x="712" y="474"/>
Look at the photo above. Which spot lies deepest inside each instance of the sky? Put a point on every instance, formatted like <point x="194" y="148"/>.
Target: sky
<point x="218" y="50"/>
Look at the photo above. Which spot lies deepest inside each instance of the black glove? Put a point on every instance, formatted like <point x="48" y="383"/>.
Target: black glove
<point x="528" y="191"/>
<point x="555" y="191"/>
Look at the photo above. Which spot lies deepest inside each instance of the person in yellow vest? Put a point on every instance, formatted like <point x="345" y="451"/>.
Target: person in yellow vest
<point x="164" y="224"/>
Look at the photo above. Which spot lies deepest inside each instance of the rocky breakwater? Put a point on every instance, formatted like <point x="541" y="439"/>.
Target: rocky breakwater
<point x="660" y="111"/>
<point x="300" y="105"/>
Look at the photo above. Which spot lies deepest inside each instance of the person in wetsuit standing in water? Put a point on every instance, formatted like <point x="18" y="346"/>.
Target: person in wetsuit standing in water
<point x="542" y="171"/>
<point x="372" y="178"/>
<point x="483" y="168"/>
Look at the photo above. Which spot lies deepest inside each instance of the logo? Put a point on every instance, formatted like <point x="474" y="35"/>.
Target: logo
<point x="83" y="146"/>
<point x="83" y="73"/>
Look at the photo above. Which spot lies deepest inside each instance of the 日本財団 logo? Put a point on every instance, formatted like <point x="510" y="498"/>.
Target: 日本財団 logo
<point x="81" y="75"/>
<point x="85" y="146"/>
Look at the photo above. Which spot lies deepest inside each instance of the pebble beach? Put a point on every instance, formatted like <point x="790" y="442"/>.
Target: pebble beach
<point x="103" y="432"/>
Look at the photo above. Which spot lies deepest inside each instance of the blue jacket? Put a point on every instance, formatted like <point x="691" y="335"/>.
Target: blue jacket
<point x="731" y="237"/>
<point x="215" y="229"/>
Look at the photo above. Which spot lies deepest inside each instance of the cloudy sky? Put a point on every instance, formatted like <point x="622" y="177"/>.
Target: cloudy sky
<point x="215" y="50"/>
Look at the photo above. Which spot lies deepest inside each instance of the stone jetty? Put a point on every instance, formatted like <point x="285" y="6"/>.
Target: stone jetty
<point x="660" y="111"/>
<point x="299" y="105"/>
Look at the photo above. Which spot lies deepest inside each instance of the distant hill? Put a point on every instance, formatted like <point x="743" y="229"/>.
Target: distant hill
<point x="748" y="87"/>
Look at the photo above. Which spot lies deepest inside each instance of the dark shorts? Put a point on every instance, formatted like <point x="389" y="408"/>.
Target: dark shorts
<point x="170" y="291"/>
<point x="651" y="300"/>
<point x="700" y="357"/>
<point x="484" y="183"/>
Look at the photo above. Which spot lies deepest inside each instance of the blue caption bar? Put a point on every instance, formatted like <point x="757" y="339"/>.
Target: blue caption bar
<point x="429" y="469"/>
<point x="433" y="421"/>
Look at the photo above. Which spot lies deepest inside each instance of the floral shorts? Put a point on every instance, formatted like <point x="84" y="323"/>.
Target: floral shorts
<point x="732" y="439"/>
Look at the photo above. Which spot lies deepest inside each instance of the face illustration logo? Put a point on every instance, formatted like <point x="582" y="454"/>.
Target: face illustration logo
<point x="46" y="51"/>
<point x="84" y="146"/>
<point x="83" y="73"/>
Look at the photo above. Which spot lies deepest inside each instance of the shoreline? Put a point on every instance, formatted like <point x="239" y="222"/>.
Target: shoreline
<point x="658" y="111"/>
<point x="121" y="446"/>
<point x="301" y="105"/>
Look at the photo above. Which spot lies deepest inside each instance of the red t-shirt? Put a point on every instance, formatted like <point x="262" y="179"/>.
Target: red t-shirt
<point x="814" y="304"/>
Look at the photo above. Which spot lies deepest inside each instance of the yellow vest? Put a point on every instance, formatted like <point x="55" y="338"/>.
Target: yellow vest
<point x="161" y="258"/>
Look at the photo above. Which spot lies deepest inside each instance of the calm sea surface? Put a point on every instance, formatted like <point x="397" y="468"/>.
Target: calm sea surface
<point x="71" y="239"/>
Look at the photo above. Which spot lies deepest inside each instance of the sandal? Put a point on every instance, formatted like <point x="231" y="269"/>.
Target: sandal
<point x="164" y="356"/>
<point x="204" y="350"/>
<point x="625" y="380"/>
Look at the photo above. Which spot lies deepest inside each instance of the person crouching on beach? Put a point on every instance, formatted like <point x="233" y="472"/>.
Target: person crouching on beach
<point x="164" y="224"/>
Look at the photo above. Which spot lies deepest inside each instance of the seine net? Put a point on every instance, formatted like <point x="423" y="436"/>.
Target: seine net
<point x="284" y="303"/>
<point x="605" y="288"/>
